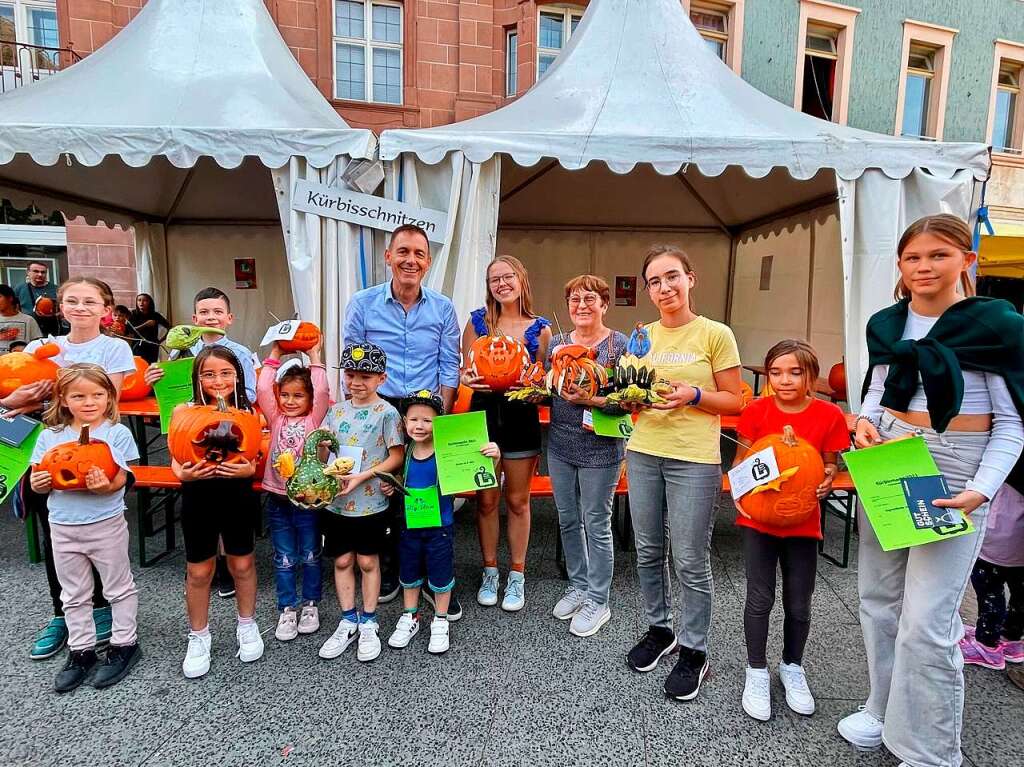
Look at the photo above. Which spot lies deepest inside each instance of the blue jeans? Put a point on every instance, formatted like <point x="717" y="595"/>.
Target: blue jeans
<point x="672" y="504"/>
<point x="295" y="536"/>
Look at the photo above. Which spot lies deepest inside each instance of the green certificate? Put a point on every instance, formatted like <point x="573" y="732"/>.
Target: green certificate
<point x="460" y="465"/>
<point x="877" y="473"/>
<point x="174" y="389"/>
<point x="14" y="461"/>
<point x="422" y="507"/>
<point x="620" y="426"/>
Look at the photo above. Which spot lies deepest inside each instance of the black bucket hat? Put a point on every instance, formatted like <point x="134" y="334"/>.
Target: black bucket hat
<point x="364" y="358"/>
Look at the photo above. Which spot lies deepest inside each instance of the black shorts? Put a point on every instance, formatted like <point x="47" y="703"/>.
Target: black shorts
<point x="514" y="426"/>
<point x="227" y="509"/>
<point x="363" y="535"/>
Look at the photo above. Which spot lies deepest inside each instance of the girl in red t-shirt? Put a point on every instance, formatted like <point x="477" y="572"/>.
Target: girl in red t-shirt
<point x="792" y="369"/>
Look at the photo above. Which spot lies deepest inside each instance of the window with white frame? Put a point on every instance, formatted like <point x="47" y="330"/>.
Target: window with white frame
<point x="712" y="22"/>
<point x="511" y="61"/>
<point x="1005" y="131"/>
<point x="555" y="26"/>
<point x="918" y="91"/>
<point x="924" y="80"/>
<point x="29" y="22"/>
<point x="368" y="51"/>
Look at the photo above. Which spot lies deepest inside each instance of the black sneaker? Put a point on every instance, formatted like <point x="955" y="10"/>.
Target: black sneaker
<point x="225" y="583"/>
<point x="388" y="591"/>
<point x="652" y="647"/>
<point x="454" y="606"/>
<point x="116" y="665"/>
<point x="80" y="663"/>
<point x="684" y="681"/>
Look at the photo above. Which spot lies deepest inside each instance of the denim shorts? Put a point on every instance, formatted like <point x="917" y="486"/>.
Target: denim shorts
<point x="430" y="550"/>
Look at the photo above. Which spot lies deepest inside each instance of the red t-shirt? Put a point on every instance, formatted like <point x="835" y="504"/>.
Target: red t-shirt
<point x="822" y="424"/>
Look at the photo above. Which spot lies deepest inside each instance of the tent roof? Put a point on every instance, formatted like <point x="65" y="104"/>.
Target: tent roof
<point x="636" y="84"/>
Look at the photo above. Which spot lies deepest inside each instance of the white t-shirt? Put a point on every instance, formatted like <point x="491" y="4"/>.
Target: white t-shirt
<point x="82" y="507"/>
<point x="114" y="355"/>
<point x="24" y="326"/>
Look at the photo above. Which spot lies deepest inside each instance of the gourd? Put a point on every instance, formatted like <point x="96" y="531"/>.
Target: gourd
<point x="134" y="386"/>
<point x="312" y="486"/>
<point x="20" y="368"/>
<point x="636" y="381"/>
<point x="576" y="365"/>
<point x="215" y="433"/>
<point x="792" y="498"/>
<point x="306" y="337"/>
<point x="498" y="360"/>
<point x="70" y="462"/>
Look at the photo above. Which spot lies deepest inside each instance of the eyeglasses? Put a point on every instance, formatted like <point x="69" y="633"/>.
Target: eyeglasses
<point x="500" y="278"/>
<point x="587" y="300"/>
<point x="225" y="375"/>
<point x="89" y="303"/>
<point x="672" y="280"/>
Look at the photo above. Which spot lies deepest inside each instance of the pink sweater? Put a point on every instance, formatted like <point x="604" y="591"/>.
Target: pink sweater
<point x="288" y="433"/>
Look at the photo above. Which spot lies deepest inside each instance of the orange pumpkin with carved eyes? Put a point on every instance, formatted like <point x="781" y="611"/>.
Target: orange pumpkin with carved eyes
<point x="215" y="433"/>
<point x="306" y="337"/>
<point x="792" y="498"/>
<point x="498" y="360"/>
<point x="70" y="462"/>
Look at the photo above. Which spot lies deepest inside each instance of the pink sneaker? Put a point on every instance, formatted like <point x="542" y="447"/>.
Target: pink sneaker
<point x="1013" y="652"/>
<point x="977" y="654"/>
<point x="969" y="631"/>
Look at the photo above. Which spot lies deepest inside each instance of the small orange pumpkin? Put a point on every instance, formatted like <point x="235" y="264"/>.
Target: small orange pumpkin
<point x="746" y="393"/>
<point x="20" y="368"/>
<point x="792" y="498"/>
<point x="70" y="462"/>
<point x="45" y="307"/>
<point x="837" y="379"/>
<point x="215" y="433"/>
<point x="306" y="337"/>
<point x="134" y="386"/>
<point x="498" y="360"/>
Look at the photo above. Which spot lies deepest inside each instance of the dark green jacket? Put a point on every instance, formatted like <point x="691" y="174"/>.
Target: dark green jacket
<point x="981" y="334"/>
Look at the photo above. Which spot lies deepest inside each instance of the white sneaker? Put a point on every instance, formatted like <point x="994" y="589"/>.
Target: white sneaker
<point x="515" y="592"/>
<point x="798" y="694"/>
<point x="569" y="604"/>
<point x="369" y="642"/>
<point x="339" y="641"/>
<point x="197" y="656"/>
<point x="438" y="636"/>
<point x="589" y="619"/>
<point x="862" y="729"/>
<point x="287" y="625"/>
<point x="250" y="643"/>
<point x="488" y="593"/>
<point x="406" y="629"/>
<point x="309" y="619"/>
<point x="757" y="694"/>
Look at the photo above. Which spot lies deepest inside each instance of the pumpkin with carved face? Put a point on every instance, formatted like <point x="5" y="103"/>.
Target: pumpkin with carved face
<point x="306" y="337"/>
<point x="134" y="386"/>
<point x="70" y="462"/>
<point x="20" y="368"/>
<point x="498" y="360"/>
<point x="576" y="365"/>
<point x="792" y="498"/>
<point x="214" y="433"/>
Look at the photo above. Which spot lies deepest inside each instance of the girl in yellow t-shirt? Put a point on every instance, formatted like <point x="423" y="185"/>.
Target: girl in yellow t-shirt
<point x="674" y="469"/>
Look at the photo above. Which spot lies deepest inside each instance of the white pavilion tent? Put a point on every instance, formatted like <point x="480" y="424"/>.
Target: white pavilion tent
<point x="639" y="133"/>
<point x="193" y="124"/>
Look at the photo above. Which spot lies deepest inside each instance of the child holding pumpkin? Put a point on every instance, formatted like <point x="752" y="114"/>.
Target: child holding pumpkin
<point x="217" y="503"/>
<point x="88" y="531"/>
<point x="791" y="542"/>
<point x="294" y="400"/>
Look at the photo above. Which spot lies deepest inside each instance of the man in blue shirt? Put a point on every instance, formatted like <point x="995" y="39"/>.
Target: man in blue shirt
<point x="418" y="330"/>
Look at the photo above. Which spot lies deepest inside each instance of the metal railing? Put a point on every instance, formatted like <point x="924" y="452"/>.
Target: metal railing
<point x="22" y="64"/>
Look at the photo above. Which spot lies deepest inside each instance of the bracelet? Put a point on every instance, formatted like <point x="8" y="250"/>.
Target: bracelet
<point x="270" y="362"/>
<point x="696" y="399"/>
<point x="860" y="418"/>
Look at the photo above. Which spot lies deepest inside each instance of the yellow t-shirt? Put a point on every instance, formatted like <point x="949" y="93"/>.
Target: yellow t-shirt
<point x="692" y="354"/>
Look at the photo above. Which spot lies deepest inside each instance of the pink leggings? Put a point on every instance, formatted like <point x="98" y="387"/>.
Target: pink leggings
<point x="76" y="549"/>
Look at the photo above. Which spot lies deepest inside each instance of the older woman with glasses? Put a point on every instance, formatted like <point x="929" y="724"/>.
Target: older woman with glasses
<point x="585" y="467"/>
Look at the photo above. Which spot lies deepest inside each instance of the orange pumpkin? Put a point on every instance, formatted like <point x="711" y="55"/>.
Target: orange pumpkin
<point x="215" y="433"/>
<point x="837" y="379"/>
<point x="462" y="399"/>
<point x="134" y="386"/>
<point x="577" y="365"/>
<point x="69" y="462"/>
<point x="746" y="393"/>
<point x="306" y="337"/>
<point x="498" y="360"/>
<point x="20" y="368"/>
<point x="45" y="306"/>
<point x="791" y="499"/>
<point x="261" y="460"/>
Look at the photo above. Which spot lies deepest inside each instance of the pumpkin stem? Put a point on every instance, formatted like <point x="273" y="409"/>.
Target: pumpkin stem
<point x="789" y="436"/>
<point x="83" y="438"/>
<point x="222" y="405"/>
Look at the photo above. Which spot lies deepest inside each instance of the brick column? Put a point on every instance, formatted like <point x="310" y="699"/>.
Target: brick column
<point x="476" y="35"/>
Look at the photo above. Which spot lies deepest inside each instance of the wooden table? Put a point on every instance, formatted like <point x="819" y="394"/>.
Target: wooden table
<point x="821" y="386"/>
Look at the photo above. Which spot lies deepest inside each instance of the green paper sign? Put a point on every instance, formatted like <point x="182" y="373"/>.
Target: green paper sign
<point x="619" y="426"/>
<point x="877" y="473"/>
<point x="174" y="389"/>
<point x="14" y="462"/>
<point x="422" y="508"/>
<point x="460" y="465"/>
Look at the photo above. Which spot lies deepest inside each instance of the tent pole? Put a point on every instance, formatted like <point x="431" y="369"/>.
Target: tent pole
<point x="731" y="285"/>
<point x="703" y="203"/>
<point x="181" y="193"/>
<point x="521" y="186"/>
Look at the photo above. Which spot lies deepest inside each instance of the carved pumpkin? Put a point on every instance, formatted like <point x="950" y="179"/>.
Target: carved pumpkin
<point x="837" y="379"/>
<point x="261" y="460"/>
<point x="576" y="365"/>
<point x="69" y="462"/>
<point x="45" y="306"/>
<point x="791" y="499"/>
<point x="134" y="386"/>
<point x="215" y="433"/>
<point x="746" y="393"/>
<point x="306" y="337"/>
<point x="20" y="368"/>
<point x="498" y="360"/>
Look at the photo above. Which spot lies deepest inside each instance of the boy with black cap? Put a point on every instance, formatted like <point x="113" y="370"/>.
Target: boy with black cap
<point x="354" y="525"/>
<point x="426" y="539"/>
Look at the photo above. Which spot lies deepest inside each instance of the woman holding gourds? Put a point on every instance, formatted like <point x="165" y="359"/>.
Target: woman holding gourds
<point x="514" y="426"/>
<point x="674" y="468"/>
<point x="947" y="366"/>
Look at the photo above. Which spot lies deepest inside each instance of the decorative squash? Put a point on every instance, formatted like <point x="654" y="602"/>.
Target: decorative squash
<point x="45" y="307"/>
<point x="791" y="499"/>
<point x="746" y="393"/>
<point x="215" y="433"/>
<point x="311" y="487"/>
<point x="20" y="368"/>
<point x="575" y="364"/>
<point x="70" y="462"/>
<point x="498" y="360"/>
<point x="306" y="337"/>
<point x="837" y="379"/>
<point x="134" y="386"/>
<point x="532" y="383"/>
<point x="462" y="400"/>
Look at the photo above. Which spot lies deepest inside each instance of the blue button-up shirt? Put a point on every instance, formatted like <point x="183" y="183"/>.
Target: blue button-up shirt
<point x="422" y="344"/>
